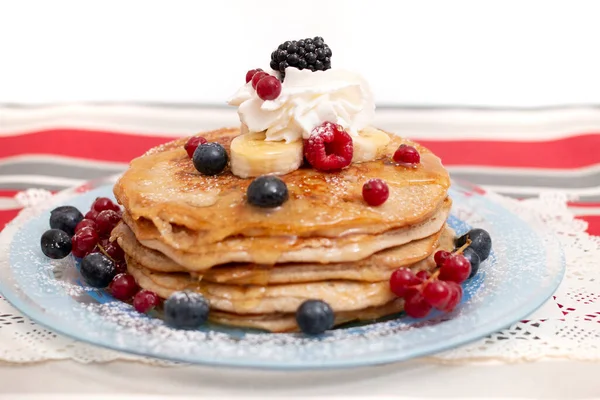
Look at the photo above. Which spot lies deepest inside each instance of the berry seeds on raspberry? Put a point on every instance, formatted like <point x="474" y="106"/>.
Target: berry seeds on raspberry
<point x="329" y="147"/>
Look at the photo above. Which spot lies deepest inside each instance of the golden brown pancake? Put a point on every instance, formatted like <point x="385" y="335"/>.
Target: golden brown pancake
<point x="372" y="269"/>
<point x="191" y="210"/>
<point x="287" y="322"/>
<point x="276" y="250"/>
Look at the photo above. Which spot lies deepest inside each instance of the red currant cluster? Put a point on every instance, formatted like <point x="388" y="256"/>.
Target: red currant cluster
<point x="267" y="86"/>
<point x="442" y="291"/>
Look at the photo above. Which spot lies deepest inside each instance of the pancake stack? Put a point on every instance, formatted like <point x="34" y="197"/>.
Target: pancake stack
<point x="185" y="231"/>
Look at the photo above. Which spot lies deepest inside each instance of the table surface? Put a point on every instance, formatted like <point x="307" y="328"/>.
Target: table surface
<point x="415" y="379"/>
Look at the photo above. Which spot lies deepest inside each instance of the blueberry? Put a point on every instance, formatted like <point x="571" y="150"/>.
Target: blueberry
<point x="473" y="258"/>
<point x="267" y="191"/>
<point x="56" y="243"/>
<point x="187" y="310"/>
<point x="314" y="317"/>
<point x="97" y="270"/>
<point x="65" y="218"/>
<point x="481" y="242"/>
<point x="210" y="158"/>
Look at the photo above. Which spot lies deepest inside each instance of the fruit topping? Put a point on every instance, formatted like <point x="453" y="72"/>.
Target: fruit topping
<point x="313" y="54"/>
<point x="437" y="294"/>
<point x="455" y="268"/>
<point x="473" y="258"/>
<point x="455" y="296"/>
<point x="186" y="310"/>
<point x="402" y="279"/>
<point x="315" y="317"/>
<point x="84" y="242"/>
<point x="56" y="243"/>
<point x="258" y="77"/>
<point x="268" y="88"/>
<point x="267" y="191"/>
<point x="91" y="215"/>
<point x="104" y="203"/>
<point x="123" y="287"/>
<point x="415" y="305"/>
<point x="145" y="301"/>
<point x="192" y="144"/>
<point x="375" y="192"/>
<point x="86" y="223"/>
<point x="210" y="159"/>
<point x="481" y="242"/>
<point x="65" y="218"/>
<point x="97" y="270"/>
<point x="440" y="256"/>
<point x="251" y="73"/>
<point x="113" y="250"/>
<point x="251" y="156"/>
<point x="407" y="156"/>
<point x="106" y="222"/>
<point x="329" y="147"/>
<point x="423" y="275"/>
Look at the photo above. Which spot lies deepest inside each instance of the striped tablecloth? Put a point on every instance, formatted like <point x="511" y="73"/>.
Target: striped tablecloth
<point x="517" y="153"/>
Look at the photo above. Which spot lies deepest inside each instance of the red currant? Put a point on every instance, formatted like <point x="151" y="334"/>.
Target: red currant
<point x="455" y="268"/>
<point x="415" y="304"/>
<point x="123" y="287"/>
<point x="329" y="147"/>
<point x="106" y="221"/>
<point x="401" y="280"/>
<point x="257" y="77"/>
<point x="407" y="155"/>
<point x="104" y="203"/>
<point x="251" y="73"/>
<point x="455" y="296"/>
<point x="85" y="223"/>
<point x="423" y="275"/>
<point x="269" y="88"/>
<point x="437" y="294"/>
<point x="91" y="215"/>
<point x="113" y="250"/>
<point x="441" y="256"/>
<point x="145" y="301"/>
<point x="121" y="267"/>
<point x="375" y="192"/>
<point x="192" y="144"/>
<point x="84" y="242"/>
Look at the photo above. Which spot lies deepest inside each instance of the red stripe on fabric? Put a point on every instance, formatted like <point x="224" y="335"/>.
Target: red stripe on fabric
<point x="8" y="193"/>
<point x="573" y="152"/>
<point x="6" y="216"/>
<point x="94" y="145"/>
<point x="582" y="204"/>
<point x="593" y="223"/>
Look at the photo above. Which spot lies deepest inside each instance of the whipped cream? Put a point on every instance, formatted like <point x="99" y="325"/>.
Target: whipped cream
<point x="307" y="100"/>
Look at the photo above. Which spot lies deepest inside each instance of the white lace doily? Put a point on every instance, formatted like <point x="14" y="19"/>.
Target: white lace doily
<point x="567" y="326"/>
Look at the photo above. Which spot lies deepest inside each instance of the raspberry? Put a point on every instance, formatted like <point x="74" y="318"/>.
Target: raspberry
<point x="192" y="144"/>
<point x="375" y="192"/>
<point x="329" y="147"/>
<point x="268" y="88"/>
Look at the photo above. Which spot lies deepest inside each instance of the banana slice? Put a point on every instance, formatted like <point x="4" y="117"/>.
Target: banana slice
<point x="369" y="145"/>
<point x="252" y="156"/>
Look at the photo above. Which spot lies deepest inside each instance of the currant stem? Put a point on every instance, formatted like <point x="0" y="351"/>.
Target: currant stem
<point x="464" y="246"/>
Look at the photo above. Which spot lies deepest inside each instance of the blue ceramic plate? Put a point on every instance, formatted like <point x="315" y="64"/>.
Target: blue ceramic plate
<point x="523" y="271"/>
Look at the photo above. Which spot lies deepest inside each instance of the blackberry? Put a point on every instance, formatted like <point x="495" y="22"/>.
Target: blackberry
<point x="311" y="53"/>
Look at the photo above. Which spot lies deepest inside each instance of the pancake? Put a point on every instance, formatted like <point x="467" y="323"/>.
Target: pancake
<point x="287" y="322"/>
<point x="254" y="299"/>
<point x="374" y="268"/>
<point x="277" y="250"/>
<point x="190" y="210"/>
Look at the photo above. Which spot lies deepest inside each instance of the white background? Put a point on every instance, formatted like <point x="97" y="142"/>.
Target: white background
<point x="502" y="53"/>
